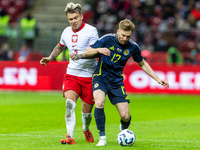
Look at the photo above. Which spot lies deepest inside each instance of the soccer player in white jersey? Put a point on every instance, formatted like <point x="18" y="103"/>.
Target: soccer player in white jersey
<point x="78" y="78"/>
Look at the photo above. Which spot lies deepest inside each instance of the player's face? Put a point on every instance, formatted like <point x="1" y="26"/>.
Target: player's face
<point x="75" y="20"/>
<point x="123" y="36"/>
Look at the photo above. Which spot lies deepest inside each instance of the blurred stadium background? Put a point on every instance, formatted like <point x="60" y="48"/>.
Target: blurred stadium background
<point x="167" y="31"/>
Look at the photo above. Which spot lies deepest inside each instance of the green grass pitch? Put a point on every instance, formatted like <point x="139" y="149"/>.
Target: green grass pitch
<point x="35" y="121"/>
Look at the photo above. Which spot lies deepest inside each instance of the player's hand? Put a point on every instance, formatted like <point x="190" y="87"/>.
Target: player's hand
<point x="104" y="51"/>
<point x="74" y="56"/>
<point x="164" y="83"/>
<point x="44" y="61"/>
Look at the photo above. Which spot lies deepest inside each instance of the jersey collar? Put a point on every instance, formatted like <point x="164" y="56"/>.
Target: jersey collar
<point x="81" y="27"/>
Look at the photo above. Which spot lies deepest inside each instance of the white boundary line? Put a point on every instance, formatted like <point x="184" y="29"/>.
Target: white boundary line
<point x="30" y="135"/>
<point x="164" y="140"/>
<point x="154" y="140"/>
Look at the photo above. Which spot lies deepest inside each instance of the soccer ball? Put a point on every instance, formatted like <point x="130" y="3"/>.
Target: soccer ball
<point x="126" y="137"/>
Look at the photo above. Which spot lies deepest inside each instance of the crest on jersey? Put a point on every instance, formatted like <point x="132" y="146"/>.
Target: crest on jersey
<point x="74" y="38"/>
<point x="126" y="52"/>
<point x="119" y="50"/>
<point x="96" y="85"/>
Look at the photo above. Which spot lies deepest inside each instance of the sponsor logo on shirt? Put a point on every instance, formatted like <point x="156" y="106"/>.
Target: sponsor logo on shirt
<point x="112" y="48"/>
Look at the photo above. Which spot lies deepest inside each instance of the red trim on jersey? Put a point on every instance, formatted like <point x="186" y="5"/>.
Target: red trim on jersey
<point x="61" y="44"/>
<point x="81" y="27"/>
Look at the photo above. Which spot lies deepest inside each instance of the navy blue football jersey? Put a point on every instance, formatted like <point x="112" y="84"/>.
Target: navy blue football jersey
<point x="110" y="68"/>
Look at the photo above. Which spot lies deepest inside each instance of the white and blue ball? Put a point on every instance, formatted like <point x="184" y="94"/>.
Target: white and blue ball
<point x="126" y="137"/>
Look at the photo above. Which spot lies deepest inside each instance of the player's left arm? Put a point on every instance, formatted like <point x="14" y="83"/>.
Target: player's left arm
<point x="146" y="68"/>
<point x="90" y="53"/>
<point x="93" y="54"/>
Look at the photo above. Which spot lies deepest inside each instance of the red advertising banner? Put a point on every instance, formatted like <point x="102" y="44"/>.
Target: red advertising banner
<point x="33" y="76"/>
<point x="182" y="79"/>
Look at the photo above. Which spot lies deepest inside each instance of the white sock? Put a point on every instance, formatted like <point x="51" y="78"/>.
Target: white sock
<point x="86" y="119"/>
<point x="70" y="117"/>
<point x="103" y="137"/>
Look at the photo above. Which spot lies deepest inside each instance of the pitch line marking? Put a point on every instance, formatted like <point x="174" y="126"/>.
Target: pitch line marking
<point x="163" y="140"/>
<point x="155" y="140"/>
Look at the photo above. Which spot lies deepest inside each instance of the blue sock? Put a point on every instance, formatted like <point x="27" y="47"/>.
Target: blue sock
<point x="125" y="125"/>
<point x="100" y="120"/>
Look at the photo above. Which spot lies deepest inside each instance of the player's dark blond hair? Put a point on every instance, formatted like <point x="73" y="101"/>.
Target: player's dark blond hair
<point x="73" y="8"/>
<point x="126" y="25"/>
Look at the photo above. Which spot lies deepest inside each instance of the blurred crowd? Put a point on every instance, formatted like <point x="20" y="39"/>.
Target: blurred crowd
<point x="10" y="12"/>
<point x="161" y="25"/>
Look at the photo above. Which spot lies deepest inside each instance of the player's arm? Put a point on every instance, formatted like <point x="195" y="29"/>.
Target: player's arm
<point x="90" y="53"/>
<point x="56" y="51"/>
<point x="146" y="68"/>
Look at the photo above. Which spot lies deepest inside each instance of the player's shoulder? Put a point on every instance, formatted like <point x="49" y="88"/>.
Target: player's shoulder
<point x="109" y="35"/>
<point x="89" y="26"/>
<point x="69" y="28"/>
<point x="133" y="43"/>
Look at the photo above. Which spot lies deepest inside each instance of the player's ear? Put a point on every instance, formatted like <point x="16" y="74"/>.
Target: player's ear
<point x="117" y="31"/>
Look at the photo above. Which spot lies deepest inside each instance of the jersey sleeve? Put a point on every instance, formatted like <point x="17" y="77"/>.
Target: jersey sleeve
<point x="62" y="42"/>
<point x="97" y="44"/>
<point x="100" y="43"/>
<point x="94" y="36"/>
<point x="137" y="54"/>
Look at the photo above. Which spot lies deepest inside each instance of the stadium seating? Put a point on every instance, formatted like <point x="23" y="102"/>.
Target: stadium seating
<point x="34" y="56"/>
<point x="5" y="3"/>
<point x="187" y="45"/>
<point x="20" y="4"/>
<point x="13" y="8"/>
<point x="159" y="58"/>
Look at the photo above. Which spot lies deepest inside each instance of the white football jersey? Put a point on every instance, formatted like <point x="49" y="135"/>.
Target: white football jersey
<point x="77" y="42"/>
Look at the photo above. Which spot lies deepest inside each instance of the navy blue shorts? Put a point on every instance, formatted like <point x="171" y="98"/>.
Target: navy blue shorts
<point x="116" y="94"/>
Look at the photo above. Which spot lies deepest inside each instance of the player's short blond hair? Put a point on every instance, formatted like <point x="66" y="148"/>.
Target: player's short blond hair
<point x="73" y="8"/>
<point x="126" y="25"/>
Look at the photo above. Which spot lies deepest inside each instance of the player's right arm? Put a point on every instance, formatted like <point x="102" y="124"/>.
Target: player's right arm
<point x="90" y="53"/>
<point x="56" y="51"/>
<point x="95" y="51"/>
<point x="146" y="68"/>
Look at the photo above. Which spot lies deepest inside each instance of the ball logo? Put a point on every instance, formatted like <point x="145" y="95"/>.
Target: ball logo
<point x="126" y="52"/>
<point x="96" y="85"/>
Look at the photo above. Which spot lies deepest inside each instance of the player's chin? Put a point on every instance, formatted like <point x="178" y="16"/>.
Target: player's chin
<point x="75" y="27"/>
<point x="123" y="42"/>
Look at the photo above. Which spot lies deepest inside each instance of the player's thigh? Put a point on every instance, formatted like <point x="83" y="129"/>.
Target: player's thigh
<point x="99" y="91"/>
<point x="117" y="94"/>
<point x="99" y="97"/>
<point x="86" y="90"/>
<point x="71" y="88"/>
<point x="85" y="107"/>
<point x="123" y="109"/>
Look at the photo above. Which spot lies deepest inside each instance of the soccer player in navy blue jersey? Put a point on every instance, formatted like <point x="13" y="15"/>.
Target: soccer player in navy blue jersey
<point x="113" y="51"/>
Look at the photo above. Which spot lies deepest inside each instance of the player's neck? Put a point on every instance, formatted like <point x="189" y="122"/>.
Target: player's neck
<point x="81" y="27"/>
